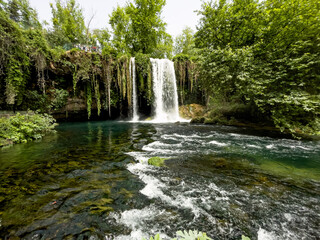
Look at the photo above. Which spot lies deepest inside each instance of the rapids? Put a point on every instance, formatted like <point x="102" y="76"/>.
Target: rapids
<point x="92" y="180"/>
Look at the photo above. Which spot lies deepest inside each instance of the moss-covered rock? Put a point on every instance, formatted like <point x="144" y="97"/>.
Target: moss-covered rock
<point x="157" y="161"/>
<point x="191" y="111"/>
<point x="198" y="120"/>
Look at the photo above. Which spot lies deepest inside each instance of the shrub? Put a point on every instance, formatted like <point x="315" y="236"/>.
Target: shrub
<point x="60" y="98"/>
<point x="23" y="128"/>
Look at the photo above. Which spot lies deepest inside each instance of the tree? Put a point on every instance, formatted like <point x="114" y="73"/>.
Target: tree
<point x="184" y="43"/>
<point x="164" y="48"/>
<point x="101" y="36"/>
<point x="22" y="47"/>
<point x="13" y="10"/>
<point x="68" y="23"/>
<point x="147" y="26"/>
<point x="21" y="12"/>
<point x="235" y="23"/>
<point x="265" y="55"/>
<point x="138" y="27"/>
<point x="119" y="21"/>
<point x="14" y="61"/>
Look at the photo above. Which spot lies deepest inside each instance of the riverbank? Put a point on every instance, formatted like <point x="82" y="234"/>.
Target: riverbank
<point x="198" y="114"/>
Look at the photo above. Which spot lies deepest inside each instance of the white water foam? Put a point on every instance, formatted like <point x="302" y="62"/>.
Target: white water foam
<point x="253" y="146"/>
<point x="135" y="219"/>
<point x="154" y="186"/>
<point x="220" y="144"/>
<point x="270" y="146"/>
<point x="200" y="200"/>
<point x="265" y="235"/>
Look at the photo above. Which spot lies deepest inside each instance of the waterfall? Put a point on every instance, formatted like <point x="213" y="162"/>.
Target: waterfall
<point x="135" y="116"/>
<point x="165" y="104"/>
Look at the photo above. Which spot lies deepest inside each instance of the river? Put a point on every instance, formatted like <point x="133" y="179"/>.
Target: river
<point x="92" y="181"/>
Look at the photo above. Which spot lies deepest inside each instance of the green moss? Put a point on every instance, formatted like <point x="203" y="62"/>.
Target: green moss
<point x="100" y="209"/>
<point x="126" y="193"/>
<point x="96" y="207"/>
<point x="157" y="161"/>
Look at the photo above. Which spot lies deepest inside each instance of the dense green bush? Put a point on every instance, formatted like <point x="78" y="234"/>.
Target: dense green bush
<point x="264" y="54"/>
<point x="36" y="101"/>
<point x="60" y="97"/>
<point x="23" y="128"/>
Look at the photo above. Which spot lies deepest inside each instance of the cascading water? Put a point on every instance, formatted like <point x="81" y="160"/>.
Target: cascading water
<point x="135" y="116"/>
<point x="165" y="91"/>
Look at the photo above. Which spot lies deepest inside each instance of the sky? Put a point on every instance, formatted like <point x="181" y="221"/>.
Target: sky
<point x="178" y="14"/>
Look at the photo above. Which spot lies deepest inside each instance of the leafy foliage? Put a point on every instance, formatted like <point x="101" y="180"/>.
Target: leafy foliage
<point x="187" y="74"/>
<point x="119" y="21"/>
<point x="23" y="128"/>
<point x="14" y="60"/>
<point x="190" y="235"/>
<point x="185" y="235"/>
<point x="68" y="23"/>
<point x="36" y="101"/>
<point x="143" y="66"/>
<point x="102" y="36"/>
<point x="60" y="97"/>
<point x="21" y="12"/>
<point x="259" y="57"/>
<point x="156" y="161"/>
<point x="184" y="43"/>
<point x="138" y="27"/>
<point x="244" y="238"/>
<point x="265" y="55"/>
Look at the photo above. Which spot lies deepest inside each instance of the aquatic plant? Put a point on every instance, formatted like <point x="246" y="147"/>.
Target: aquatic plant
<point x="156" y="161"/>
<point x="244" y="238"/>
<point x="190" y="235"/>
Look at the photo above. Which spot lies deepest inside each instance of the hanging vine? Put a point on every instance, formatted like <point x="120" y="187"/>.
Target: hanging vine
<point x="123" y="80"/>
<point x="75" y="78"/>
<point x="187" y="74"/>
<point x="82" y="67"/>
<point x="89" y="98"/>
<point x="14" y="61"/>
<point x="107" y="78"/>
<point x="96" y="71"/>
<point x="149" y="84"/>
<point x="144" y="76"/>
<point x="40" y="63"/>
<point x="96" y="92"/>
<point x="129" y="82"/>
<point x="119" y="78"/>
